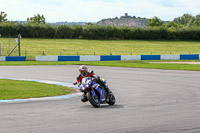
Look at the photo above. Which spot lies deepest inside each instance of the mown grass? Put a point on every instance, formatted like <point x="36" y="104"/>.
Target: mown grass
<point x="131" y="64"/>
<point x="35" y="47"/>
<point x="13" y="89"/>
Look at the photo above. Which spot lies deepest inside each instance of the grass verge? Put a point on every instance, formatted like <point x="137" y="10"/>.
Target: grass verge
<point x="131" y="64"/>
<point x="32" y="47"/>
<point x="15" y="89"/>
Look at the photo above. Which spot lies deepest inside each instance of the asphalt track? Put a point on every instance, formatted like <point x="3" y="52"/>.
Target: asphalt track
<point x="148" y="101"/>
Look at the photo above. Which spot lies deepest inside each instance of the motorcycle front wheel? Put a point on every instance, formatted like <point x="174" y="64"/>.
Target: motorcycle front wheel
<point x="94" y="100"/>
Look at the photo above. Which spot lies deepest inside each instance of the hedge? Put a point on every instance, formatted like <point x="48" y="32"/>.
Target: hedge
<point x="98" y="32"/>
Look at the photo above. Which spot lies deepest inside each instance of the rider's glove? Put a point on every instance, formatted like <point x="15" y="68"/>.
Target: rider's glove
<point x="95" y="77"/>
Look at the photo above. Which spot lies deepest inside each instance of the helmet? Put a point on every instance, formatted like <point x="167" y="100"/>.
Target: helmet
<point x="83" y="70"/>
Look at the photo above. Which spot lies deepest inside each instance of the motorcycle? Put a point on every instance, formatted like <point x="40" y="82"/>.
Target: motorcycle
<point x="95" y="93"/>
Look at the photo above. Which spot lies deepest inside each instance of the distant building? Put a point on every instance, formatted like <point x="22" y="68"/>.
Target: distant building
<point x="125" y="20"/>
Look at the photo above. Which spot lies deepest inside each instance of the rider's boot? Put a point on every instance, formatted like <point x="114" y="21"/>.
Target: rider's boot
<point x="100" y="81"/>
<point x="84" y="98"/>
<point x="107" y="89"/>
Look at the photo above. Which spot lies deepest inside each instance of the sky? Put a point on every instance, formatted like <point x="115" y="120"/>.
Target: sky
<point x="96" y="10"/>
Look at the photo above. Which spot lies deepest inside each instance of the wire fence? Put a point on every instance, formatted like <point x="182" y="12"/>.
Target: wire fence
<point x="33" y="54"/>
<point x="7" y="44"/>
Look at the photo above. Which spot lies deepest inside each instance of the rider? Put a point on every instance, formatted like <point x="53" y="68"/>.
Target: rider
<point x="84" y="73"/>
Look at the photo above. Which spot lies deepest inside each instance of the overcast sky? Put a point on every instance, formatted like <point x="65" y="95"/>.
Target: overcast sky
<point x="95" y="10"/>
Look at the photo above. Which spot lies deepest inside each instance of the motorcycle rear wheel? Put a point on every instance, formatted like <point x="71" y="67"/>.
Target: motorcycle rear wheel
<point x="111" y="100"/>
<point x="94" y="100"/>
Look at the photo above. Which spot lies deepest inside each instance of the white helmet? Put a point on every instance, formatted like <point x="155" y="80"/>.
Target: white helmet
<point x="83" y="70"/>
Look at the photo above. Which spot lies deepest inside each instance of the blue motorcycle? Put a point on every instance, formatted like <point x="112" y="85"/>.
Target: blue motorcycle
<point x="96" y="94"/>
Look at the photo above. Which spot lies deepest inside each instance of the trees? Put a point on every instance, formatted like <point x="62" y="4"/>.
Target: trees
<point x="195" y="21"/>
<point x="155" y="21"/>
<point x="37" y="19"/>
<point x="3" y="17"/>
<point x="184" y="20"/>
<point x="173" y="25"/>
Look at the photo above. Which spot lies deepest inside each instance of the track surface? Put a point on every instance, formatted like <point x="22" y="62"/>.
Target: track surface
<point x="148" y="101"/>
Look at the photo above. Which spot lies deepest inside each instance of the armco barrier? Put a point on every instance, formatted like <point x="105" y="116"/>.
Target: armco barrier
<point x="46" y="58"/>
<point x="150" y="57"/>
<point x="12" y="58"/>
<point x="189" y="57"/>
<point x="118" y="57"/>
<point x="110" y="57"/>
<point x="68" y="58"/>
<point x="130" y="57"/>
<point x="170" y="57"/>
<point x="2" y="58"/>
<point x="89" y="58"/>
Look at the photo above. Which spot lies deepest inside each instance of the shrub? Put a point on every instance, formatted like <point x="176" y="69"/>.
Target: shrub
<point x="167" y="32"/>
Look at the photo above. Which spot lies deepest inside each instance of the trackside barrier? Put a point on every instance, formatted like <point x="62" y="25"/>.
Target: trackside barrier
<point x="119" y="57"/>
<point x="150" y="57"/>
<point x="110" y="57"/>
<point x="130" y="57"/>
<point x="15" y="58"/>
<point x="170" y="57"/>
<point x="46" y="58"/>
<point x="189" y="57"/>
<point x="90" y="58"/>
<point x="68" y="58"/>
<point x="2" y="58"/>
<point x="12" y="58"/>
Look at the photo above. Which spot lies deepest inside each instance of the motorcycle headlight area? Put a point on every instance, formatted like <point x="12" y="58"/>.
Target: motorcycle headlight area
<point x="88" y="84"/>
<point x="82" y="88"/>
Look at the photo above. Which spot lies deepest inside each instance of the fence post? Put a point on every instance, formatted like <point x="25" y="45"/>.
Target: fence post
<point x="0" y="45"/>
<point x="43" y="54"/>
<point x="25" y="53"/>
<point x="19" y="44"/>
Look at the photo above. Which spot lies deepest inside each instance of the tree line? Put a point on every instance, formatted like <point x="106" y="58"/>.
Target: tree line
<point x="185" y="27"/>
<point x="184" y="21"/>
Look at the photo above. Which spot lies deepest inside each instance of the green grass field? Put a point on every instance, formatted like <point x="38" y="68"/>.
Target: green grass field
<point x="36" y="47"/>
<point x="13" y="89"/>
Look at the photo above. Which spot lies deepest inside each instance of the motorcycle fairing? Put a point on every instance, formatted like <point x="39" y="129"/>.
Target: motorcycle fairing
<point x="98" y="89"/>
